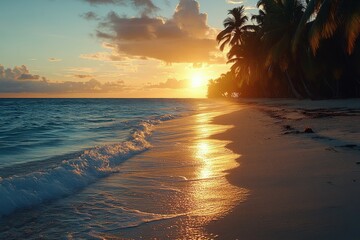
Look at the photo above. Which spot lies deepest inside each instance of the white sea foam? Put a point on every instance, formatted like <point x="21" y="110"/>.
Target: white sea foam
<point x="28" y="190"/>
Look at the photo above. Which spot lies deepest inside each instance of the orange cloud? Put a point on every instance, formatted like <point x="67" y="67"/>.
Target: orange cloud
<point x="103" y="56"/>
<point x="185" y="38"/>
<point x="81" y="69"/>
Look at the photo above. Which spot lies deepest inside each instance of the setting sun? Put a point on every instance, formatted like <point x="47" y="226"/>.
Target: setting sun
<point x="198" y="80"/>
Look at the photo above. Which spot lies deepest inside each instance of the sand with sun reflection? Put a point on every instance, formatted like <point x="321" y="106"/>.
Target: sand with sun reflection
<point x="193" y="166"/>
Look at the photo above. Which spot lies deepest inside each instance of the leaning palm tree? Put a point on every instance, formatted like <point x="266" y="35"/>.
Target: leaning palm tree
<point x="327" y="18"/>
<point x="235" y="26"/>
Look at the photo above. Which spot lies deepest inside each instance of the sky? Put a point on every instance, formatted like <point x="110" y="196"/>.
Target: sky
<point x="111" y="48"/>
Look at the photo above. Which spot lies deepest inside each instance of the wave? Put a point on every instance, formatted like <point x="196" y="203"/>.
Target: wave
<point x="31" y="189"/>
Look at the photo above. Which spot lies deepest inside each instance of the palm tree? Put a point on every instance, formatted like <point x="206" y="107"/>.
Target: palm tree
<point x="247" y="58"/>
<point x="224" y="86"/>
<point x="234" y="28"/>
<point x="330" y="16"/>
<point x="328" y="23"/>
<point x="244" y="43"/>
<point x="236" y="36"/>
<point x="300" y="47"/>
<point x="279" y="25"/>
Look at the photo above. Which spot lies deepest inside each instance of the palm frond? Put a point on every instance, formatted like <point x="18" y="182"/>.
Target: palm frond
<point x="224" y="43"/>
<point x="310" y="9"/>
<point x="352" y="24"/>
<point x="325" y="24"/>
<point x="223" y="34"/>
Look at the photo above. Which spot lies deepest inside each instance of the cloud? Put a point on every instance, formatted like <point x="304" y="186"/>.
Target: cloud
<point x="19" y="80"/>
<point x="235" y="1"/>
<point x="90" y="16"/>
<point x="17" y="73"/>
<point x="113" y="55"/>
<point x="170" y="84"/>
<point x="184" y="38"/>
<point x="81" y="69"/>
<point x="27" y="76"/>
<point x="83" y="76"/>
<point x="189" y="19"/>
<point x="54" y="59"/>
<point x="251" y="8"/>
<point x="103" y="56"/>
<point x="146" y="7"/>
<point x="197" y="65"/>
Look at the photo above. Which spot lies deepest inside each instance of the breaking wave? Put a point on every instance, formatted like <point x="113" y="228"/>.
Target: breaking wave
<point x="31" y="189"/>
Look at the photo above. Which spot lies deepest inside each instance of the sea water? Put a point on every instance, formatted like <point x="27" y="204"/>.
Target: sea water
<point x="51" y="147"/>
<point x="80" y="168"/>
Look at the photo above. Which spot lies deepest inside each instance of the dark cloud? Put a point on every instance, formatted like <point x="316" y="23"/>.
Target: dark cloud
<point x="146" y="7"/>
<point x="54" y="59"/>
<point x="171" y="84"/>
<point x="15" y="73"/>
<point x="27" y="76"/>
<point x="83" y="76"/>
<point x="188" y="17"/>
<point x="90" y="16"/>
<point x="137" y="29"/>
<point x="184" y="38"/>
<point x="19" y="80"/>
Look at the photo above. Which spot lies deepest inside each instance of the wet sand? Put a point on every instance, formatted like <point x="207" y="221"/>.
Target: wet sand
<point x="301" y="186"/>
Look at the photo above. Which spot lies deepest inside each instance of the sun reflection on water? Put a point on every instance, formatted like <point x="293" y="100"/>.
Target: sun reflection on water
<point x="202" y="150"/>
<point x="213" y="196"/>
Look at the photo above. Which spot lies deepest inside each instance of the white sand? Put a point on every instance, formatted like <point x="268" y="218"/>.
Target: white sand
<point x="301" y="186"/>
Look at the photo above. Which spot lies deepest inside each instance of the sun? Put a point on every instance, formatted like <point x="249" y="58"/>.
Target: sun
<point x="198" y="80"/>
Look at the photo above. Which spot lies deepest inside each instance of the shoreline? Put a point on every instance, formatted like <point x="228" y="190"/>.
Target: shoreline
<point x="300" y="186"/>
<point x="223" y="171"/>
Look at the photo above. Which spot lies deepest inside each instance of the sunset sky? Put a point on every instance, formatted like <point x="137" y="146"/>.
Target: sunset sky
<point x="111" y="48"/>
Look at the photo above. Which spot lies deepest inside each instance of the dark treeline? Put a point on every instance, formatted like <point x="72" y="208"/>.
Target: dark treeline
<point x="293" y="48"/>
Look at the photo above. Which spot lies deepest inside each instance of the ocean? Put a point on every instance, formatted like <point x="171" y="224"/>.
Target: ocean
<point x="112" y="168"/>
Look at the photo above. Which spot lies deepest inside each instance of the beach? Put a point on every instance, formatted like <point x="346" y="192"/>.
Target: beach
<point x="184" y="119"/>
<point x="210" y="170"/>
<point x="300" y="185"/>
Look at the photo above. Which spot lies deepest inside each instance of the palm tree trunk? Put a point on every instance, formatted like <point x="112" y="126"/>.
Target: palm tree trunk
<point x="307" y="91"/>
<point x="292" y="88"/>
